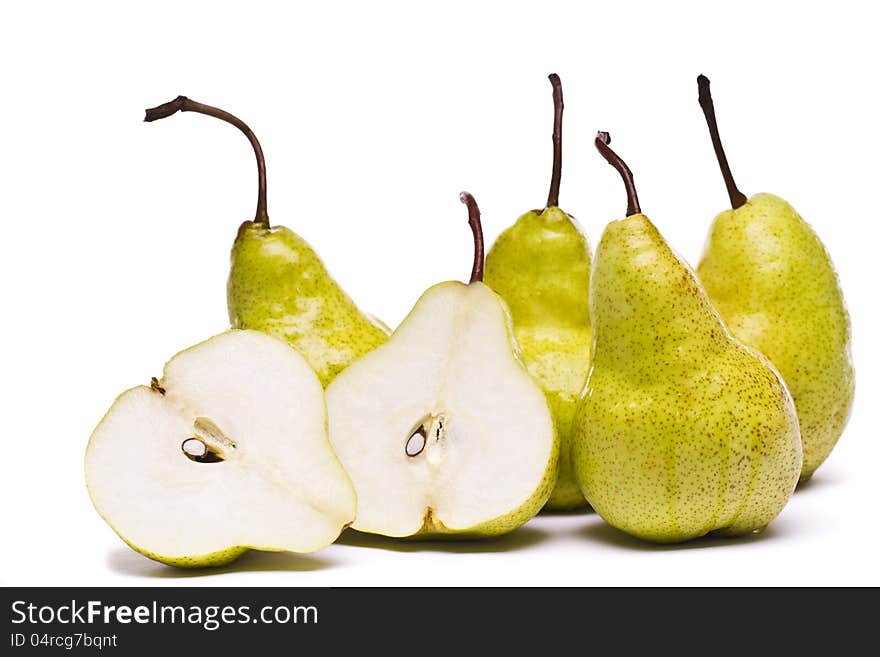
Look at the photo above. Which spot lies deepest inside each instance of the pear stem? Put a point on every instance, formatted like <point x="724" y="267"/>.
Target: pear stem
<point x="603" y="139"/>
<point x="477" y="228"/>
<point x="737" y="198"/>
<point x="558" y="106"/>
<point x="184" y="104"/>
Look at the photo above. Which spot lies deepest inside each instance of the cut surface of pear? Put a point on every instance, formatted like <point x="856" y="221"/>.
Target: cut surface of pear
<point x="277" y="283"/>
<point x="442" y="429"/>
<point x="683" y="430"/>
<point x="228" y="452"/>
<point x="774" y="283"/>
<point x="540" y="266"/>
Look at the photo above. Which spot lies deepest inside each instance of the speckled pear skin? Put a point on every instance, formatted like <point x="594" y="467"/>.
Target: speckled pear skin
<point x="774" y="284"/>
<point x="212" y="560"/>
<point x="279" y="285"/>
<point x="540" y="266"/>
<point x="683" y="430"/>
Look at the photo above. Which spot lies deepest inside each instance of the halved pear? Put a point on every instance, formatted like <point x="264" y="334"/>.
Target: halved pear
<point x="228" y="452"/>
<point x="442" y="429"/>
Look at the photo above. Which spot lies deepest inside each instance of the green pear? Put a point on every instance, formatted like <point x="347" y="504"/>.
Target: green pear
<point x="683" y="430"/>
<point x="442" y="429"/>
<point x="541" y="267"/>
<point x="278" y="284"/>
<point x="774" y="284"/>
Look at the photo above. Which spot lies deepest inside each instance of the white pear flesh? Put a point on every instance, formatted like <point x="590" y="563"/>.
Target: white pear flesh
<point x="442" y="429"/>
<point x="254" y="407"/>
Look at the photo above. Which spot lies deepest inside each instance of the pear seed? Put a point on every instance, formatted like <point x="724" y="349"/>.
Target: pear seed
<point x="416" y="442"/>
<point x="194" y="447"/>
<point x="197" y="450"/>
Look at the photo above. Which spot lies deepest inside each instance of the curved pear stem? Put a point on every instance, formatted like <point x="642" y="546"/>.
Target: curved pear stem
<point x="184" y="104"/>
<point x="558" y="106"/>
<point x="477" y="228"/>
<point x="603" y="139"/>
<point x="737" y="198"/>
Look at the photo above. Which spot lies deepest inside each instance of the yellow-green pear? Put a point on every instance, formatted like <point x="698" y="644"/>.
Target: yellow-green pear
<point x="541" y="267"/>
<point x="278" y="284"/>
<point x="774" y="284"/>
<point x="683" y="431"/>
<point x="442" y="429"/>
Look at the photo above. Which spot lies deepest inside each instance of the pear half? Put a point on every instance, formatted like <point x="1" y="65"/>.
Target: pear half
<point x="226" y="453"/>
<point x="442" y="429"/>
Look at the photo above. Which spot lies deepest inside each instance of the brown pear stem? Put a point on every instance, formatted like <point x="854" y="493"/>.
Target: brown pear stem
<point x="603" y="139"/>
<point x="737" y="198"/>
<point x="184" y="104"/>
<point x="477" y="228"/>
<point x="558" y="106"/>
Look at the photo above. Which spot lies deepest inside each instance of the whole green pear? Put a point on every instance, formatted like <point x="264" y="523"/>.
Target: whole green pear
<point x="278" y="284"/>
<point x="541" y="267"/>
<point x="774" y="284"/>
<point x="683" y="430"/>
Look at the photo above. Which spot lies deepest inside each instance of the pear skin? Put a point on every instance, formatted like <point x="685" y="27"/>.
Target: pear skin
<point x="279" y="285"/>
<point x="773" y="281"/>
<point x="683" y="430"/>
<point x="541" y="267"/>
<point x="774" y="284"/>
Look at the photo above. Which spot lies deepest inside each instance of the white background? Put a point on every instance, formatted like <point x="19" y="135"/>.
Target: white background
<point x="373" y="117"/>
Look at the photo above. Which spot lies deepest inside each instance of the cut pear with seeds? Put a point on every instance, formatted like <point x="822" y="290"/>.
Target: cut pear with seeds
<point x="229" y="452"/>
<point x="442" y="429"/>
